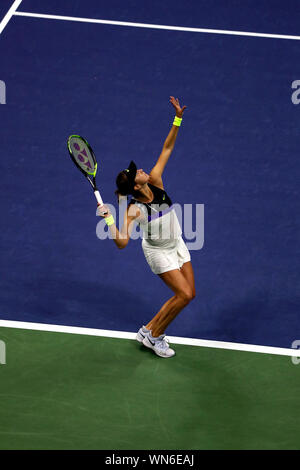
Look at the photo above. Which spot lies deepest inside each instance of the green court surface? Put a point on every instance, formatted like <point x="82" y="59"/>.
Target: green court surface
<point x="65" y="391"/>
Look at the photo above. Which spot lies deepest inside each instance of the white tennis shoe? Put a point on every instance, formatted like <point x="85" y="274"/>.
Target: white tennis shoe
<point x="159" y="345"/>
<point x="141" y="334"/>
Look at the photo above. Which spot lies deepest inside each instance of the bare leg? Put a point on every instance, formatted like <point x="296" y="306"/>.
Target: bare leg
<point x="167" y="314"/>
<point x="155" y="323"/>
<point x="187" y="271"/>
<point x="181" y="282"/>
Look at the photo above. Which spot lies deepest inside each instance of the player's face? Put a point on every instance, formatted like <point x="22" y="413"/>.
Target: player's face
<point x="141" y="177"/>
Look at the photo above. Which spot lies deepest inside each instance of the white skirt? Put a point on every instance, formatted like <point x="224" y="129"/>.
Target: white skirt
<point x="163" y="259"/>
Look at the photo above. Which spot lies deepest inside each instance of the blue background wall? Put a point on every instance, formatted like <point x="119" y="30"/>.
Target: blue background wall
<point x="237" y="153"/>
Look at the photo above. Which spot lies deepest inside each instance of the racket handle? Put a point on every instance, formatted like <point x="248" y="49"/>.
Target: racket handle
<point x="98" y="197"/>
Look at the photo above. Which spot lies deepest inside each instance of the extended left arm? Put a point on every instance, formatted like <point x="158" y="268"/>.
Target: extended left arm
<point x="168" y="146"/>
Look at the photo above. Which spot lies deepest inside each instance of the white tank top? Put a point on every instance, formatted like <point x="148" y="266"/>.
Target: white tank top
<point x="158" y="220"/>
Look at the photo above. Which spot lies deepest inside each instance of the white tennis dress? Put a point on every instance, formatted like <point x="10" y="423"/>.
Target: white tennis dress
<point x="162" y="244"/>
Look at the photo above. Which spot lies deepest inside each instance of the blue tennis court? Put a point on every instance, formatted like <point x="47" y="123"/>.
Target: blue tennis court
<point x="105" y="70"/>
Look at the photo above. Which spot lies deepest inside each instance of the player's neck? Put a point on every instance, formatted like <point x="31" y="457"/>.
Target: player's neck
<point x="145" y="193"/>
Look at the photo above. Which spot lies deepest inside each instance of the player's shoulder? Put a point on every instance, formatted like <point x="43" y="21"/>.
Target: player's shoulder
<point x="133" y="210"/>
<point x="156" y="182"/>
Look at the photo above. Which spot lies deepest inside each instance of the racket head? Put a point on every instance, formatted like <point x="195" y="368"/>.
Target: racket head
<point x="82" y="155"/>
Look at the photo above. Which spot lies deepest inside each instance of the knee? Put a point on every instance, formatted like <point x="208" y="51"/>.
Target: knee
<point x="186" y="295"/>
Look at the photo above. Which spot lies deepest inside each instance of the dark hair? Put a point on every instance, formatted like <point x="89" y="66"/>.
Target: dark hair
<point x="124" y="188"/>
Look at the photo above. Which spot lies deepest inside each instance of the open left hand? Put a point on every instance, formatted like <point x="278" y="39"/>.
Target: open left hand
<point x="175" y="103"/>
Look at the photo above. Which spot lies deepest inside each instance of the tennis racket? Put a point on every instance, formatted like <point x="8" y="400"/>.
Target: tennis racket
<point x="84" y="158"/>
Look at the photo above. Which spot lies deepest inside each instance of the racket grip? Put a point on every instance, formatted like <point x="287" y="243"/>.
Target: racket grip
<point x="99" y="198"/>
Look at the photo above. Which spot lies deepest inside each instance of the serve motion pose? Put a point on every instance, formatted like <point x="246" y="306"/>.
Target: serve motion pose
<point x="163" y="246"/>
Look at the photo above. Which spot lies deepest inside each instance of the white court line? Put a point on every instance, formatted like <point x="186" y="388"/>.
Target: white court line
<point x="156" y="26"/>
<point x="126" y="335"/>
<point x="9" y="14"/>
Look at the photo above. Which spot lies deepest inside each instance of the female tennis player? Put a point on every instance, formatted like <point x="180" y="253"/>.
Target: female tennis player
<point x="163" y="246"/>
